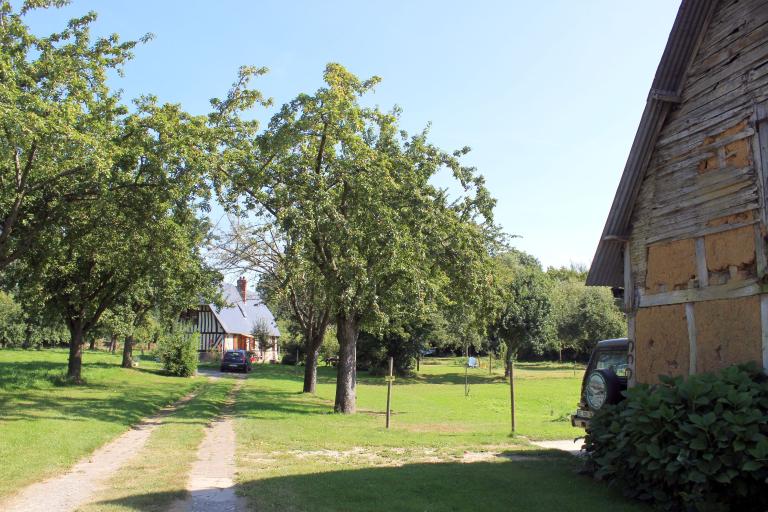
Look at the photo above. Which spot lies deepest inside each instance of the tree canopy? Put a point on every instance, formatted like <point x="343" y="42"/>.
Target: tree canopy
<point x="58" y="130"/>
<point x="352" y="192"/>
<point x="101" y="204"/>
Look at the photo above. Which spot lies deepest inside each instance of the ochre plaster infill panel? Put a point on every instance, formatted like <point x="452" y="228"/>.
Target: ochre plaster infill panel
<point x="670" y="265"/>
<point x="728" y="332"/>
<point x="735" y="247"/>
<point x="661" y="342"/>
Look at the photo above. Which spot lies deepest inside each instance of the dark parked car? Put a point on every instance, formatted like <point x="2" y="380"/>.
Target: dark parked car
<point x="236" y="360"/>
<point x="604" y="379"/>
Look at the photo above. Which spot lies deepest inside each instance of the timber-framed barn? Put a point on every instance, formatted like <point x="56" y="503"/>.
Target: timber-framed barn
<point x="685" y="238"/>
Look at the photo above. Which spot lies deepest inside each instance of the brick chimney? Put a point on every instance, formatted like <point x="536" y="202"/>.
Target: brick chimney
<point x="242" y="286"/>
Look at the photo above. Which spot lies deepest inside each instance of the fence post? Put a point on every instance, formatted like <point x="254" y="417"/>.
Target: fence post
<point x="389" y="389"/>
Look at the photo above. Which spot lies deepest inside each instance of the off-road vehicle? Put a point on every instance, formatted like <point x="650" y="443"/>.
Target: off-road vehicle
<point x="604" y="379"/>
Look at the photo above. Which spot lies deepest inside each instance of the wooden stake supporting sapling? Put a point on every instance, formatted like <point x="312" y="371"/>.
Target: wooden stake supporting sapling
<point x="466" y="370"/>
<point x="512" y="391"/>
<point x="390" y="379"/>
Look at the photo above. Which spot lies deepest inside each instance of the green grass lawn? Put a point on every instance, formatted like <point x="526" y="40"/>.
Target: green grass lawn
<point x="428" y="409"/>
<point x="444" y="452"/>
<point x="45" y="427"/>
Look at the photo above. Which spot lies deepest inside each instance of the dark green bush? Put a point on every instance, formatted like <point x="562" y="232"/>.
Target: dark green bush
<point x="178" y="352"/>
<point x="373" y="353"/>
<point x="699" y="444"/>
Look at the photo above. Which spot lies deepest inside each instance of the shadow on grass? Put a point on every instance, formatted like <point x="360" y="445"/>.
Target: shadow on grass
<point x="42" y="374"/>
<point x="30" y="374"/>
<point x="29" y="394"/>
<point x="327" y="375"/>
<point x="271" y="404"/>
<point x="532" y="482"/>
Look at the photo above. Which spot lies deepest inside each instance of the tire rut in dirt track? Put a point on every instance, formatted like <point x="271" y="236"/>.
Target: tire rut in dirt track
<point x="211" y="484"/>
<point x="82" y="481"/>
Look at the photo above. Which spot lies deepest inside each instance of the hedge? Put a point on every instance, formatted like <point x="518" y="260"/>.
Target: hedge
<point x="697" y="444"/>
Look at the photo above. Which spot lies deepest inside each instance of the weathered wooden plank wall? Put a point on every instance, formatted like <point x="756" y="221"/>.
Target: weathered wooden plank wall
<point x="702" y="178"/>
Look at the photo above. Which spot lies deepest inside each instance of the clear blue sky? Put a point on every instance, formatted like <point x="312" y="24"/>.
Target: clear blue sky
<point x="547" y="94"/>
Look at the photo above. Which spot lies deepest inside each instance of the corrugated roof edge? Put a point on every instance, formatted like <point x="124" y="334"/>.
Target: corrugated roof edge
<point x="684" y="38"/>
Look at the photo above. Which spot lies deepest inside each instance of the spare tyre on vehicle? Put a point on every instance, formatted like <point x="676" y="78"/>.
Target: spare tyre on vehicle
<point x="605" y="379"/>
<point x="603" y="387"/>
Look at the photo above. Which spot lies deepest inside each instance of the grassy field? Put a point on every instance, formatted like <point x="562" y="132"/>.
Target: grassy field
<point x="45" y="427"/>
<point x="430" y="408"/>
<point x="445" y="451"/>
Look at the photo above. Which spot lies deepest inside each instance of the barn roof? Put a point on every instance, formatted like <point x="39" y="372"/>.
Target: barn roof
<point x="242" y="317"/>
<point x="690" y="24"/>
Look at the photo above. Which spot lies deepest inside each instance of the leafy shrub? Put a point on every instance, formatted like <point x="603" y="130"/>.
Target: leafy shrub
<point x="330" y="346"/>
<point x="373" y="353"/>
<point x="290" y="348"/>
<point x="697" y="444"/>
<point x="291" y="344"/>
<point x="178" y="352"/>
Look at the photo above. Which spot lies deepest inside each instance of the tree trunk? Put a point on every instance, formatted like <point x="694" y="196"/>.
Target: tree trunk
<point x="347" y="331"/>
<point x="27" y="337"/>
<point x="113" y="344"/>
<point x="310" y="372"/>
<point x="128" y="352"/>
<point x="312" y="348"/>
<point x="92" y="344"/>
<point x="75" y="364"/>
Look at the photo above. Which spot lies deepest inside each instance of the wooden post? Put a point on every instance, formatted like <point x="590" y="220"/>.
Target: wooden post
<point x="466" y="370"/>
<point x="389" y="389"/>
<point x="512" y="391"/>
<point x="418" y="361"/>
<point x="490" y="363"/>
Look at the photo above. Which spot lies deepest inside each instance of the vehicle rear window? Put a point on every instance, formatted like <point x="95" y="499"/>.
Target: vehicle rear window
<point x="233" y="356"/>
<point x="615" y="361"/>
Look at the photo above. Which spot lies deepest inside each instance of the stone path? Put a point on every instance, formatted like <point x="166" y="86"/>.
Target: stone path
<point x="80" y="483"/>
<point x="566" y="445"/>
<point x="211" y="483"/>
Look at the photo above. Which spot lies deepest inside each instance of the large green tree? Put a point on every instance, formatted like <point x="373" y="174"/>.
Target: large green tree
<point x="582" y="315"/>
<point x="353" y="193"/>
<point x="140" y="222"/>
<point x="58" y="126"/>
<point x="524" y="316"/>
<point x="96" y="200"/>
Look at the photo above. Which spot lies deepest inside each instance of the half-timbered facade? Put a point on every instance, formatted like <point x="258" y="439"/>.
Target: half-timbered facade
<point x="233" y="327"/>
<point x="686" y="235"/>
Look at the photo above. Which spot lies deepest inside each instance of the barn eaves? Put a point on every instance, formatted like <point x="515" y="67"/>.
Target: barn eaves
<point x="607" y="266"/>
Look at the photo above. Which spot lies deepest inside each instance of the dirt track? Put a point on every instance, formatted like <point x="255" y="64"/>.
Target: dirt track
<point x="80" y="483"/>
<point x="211" y="483"/>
